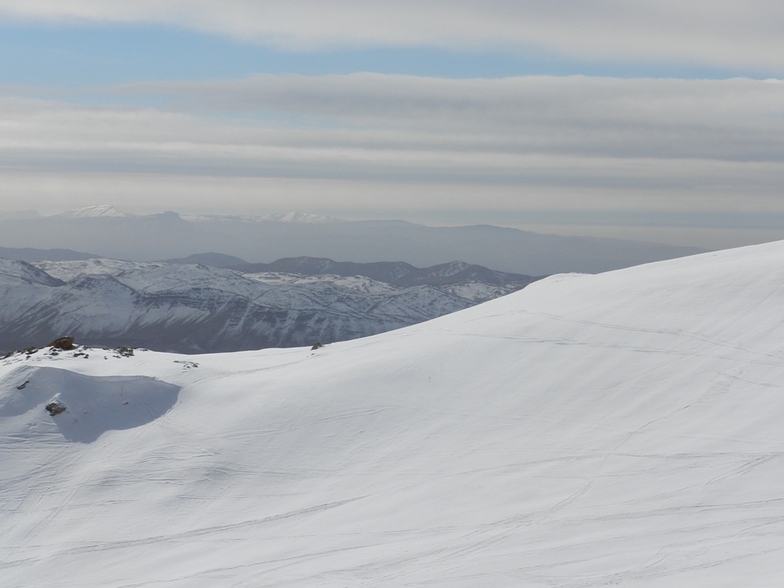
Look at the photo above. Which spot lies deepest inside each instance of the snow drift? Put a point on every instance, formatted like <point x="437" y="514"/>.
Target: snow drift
<point x="617" y="429"/>
<point x="85" y="406"/>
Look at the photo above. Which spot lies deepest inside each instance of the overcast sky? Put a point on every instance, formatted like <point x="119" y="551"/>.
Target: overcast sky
<point x="654" y="120"/>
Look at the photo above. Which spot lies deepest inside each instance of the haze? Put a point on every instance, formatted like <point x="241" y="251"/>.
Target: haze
<point x="659" y="121"/>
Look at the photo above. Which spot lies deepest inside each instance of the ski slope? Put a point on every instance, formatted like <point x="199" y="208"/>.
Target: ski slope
<point x="622" y="429"/>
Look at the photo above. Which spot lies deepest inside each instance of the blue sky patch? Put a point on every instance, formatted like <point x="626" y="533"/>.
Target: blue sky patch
<point x="73" y="56"/>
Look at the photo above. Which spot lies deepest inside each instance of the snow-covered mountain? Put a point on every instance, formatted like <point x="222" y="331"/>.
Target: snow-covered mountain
<point x="191" y="308"/>
<point x="284" y="217"/>
<point x="390" y="272"/>
<point x="299" y="217"/>
<point x="621" y="429"/>
<point x="211" y="259"/>
<point x="100" y="211"/>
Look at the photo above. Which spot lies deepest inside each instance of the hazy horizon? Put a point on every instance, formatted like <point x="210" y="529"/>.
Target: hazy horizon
<point x="703" y="241"/>
<point x="661" y="122"/>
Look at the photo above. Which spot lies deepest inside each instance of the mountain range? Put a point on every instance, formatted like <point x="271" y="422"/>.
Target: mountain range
<point x="107" y="232"/>
<point x="620" y="429"/>
<point x="197" y="308"/>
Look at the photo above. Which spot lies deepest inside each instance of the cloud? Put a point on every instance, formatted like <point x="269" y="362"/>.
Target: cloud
<point x="557" y="149"/>
<point x="719" y="33"/>
<point x="580" y="134"/>
<point x="738" y="119"/>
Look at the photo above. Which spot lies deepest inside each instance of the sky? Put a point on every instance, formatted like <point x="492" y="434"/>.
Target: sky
<point x="636" y="119"/>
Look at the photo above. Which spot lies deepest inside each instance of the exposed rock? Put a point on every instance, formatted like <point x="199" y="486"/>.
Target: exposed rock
<point x="186" y="365"/>
<point x="64" y="343"/>
<point x="55" y="408"/>
<point x="27" y="351"/>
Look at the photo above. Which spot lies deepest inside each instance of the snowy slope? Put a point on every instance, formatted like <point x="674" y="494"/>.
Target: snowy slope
<point x="192" y="308"/>
<point x="618" y="429"/>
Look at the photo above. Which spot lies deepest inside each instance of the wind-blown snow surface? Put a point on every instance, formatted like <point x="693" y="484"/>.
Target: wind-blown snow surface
<point x="617" y="429"/>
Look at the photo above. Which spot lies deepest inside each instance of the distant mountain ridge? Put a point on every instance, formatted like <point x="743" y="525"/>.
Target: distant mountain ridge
<point x="395" y="273"/>
<point x="286" y="217"/>
<point x="198" y="308"/>
<point x="32" y="254"/>
<point x="170" y="236"/>
<point x="101" y="211"/>
<point x="211" y="259"/>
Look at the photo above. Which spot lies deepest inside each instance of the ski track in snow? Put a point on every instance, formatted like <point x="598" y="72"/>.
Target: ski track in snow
<point x="618" y="429"/>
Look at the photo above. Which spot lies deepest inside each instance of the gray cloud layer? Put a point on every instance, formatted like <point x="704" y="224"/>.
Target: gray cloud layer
<point x="644" y="147"/>
<point x="738" y="119"/>
<point x="367" y="125"/>
<point x="721" y="33"/>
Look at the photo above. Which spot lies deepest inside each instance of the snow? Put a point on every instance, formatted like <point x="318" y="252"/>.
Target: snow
<point x="285" y="217"/>
<point x="21" y="272"/>
<point x="189" y="307"/>
<point x="299" y="217"/>
<point x="616" y="429"/>
<point x="102" y="210"/>
<point x="92" y="404"/>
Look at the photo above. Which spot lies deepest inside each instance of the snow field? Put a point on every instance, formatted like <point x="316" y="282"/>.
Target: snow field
<point x="617" y="429"/>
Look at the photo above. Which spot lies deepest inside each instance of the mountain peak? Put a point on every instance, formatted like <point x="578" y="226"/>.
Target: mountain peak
<point x="298" y="217"/>
<point x="102" y="210"/>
